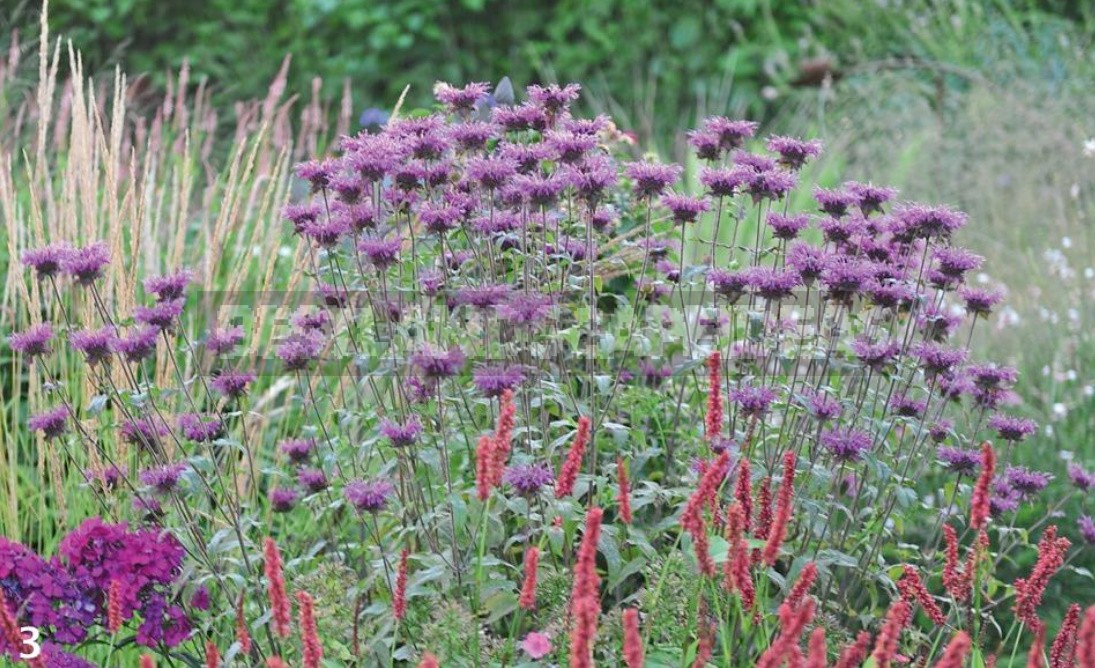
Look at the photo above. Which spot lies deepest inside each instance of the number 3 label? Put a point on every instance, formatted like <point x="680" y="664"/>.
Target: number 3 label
<point x="30" y="641"/>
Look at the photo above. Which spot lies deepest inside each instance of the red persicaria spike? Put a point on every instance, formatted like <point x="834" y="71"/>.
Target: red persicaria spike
<point x="705" y="646"/>
<point x="276" y="662"/>
<point x="913" y="590"/>
<point x="484" y="455"/>
<point x="743" y="491"/>
<point x="734" y="530"/>
<point x="692" y="519"/>
<point x="886" y="645"/>
<point x="1029" y="591"/>
<point x="1085" y="642"/>
<point x="147" y="661"/>
<point x="9" y="625"/>
<point x="503" y="437"/>
<point x="802" y="585"/>
<point x="783" y="511"/>
<point x="954" y="656"/>
<point x="114" y="607"/>
<point x="528" y="589"/>
<point x="979" y="504"/>
<point x="856" y="653"/>
<point x="953" y="580"/>
<point x="212" y="656"/>
<point x="312" y="650"/>
<point x="243" y="634"/>
<point x="713" y="418"/>
<point x="568" y="474"/>
<point x="399" y="598"/>
<point x="764" y="515"/>
<point x="1064" y="645"/>
<point x="275" y="589"/>
<point x="818" y="655"/>
<point x="792" y="623"/>
<point x="623" y="497"/>
<point x="633" y="641"/>
<point x="585" y="594"/>
<point x="1037" y="648"/>
<point x="428" y="661"/>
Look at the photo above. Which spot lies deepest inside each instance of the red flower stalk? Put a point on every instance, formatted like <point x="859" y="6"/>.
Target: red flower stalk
<point x="1064" y="645"/>
<point x="979" y="504"/>
<point x="743" y="491"/>
<point x="585" y="595"/>
<point x="1029" y="591"/>
<point x="633" y="641"/>
<point x="528" y="589"/>
<point x="736" y="570"/>
<point x="705" y="646"/>
<point x="9" y="625"/>
<point x="913" y="590"/>
<point x="954" y="656"/>
<point x="147" y="662"/>
<point x="568" y="474"/>
<point x="692" y="519"/>
<point x="783" y="511"/>
<point x="212" y="655"/>
<point x="311" y="649"/>
<point x="503" y="437"/>
<point x="275" y="589"/>
<point x="484" y="456"/>
<point x="713" y="418"/>
<point x="623" y="496"/>
<point x="1037" y="648"/>
<point x="802" y="585"/>
<point x="818" y="649"/>
<point x="763" y="522"/>
<point x="114" y="607"/>
<point x="856" y="653"/>
<point x="886" y="645"/>
<point x="243" y="634"/>
<point x="399" y="597"/>
<point x="1085" y="643"/>
<point x="429" y="661"/>
<point x="276" y="662"/>
<point x="954" y="581"/>
<point x="792" y="622"/>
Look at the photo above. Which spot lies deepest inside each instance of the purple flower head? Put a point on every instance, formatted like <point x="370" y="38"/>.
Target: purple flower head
<point x="773" y="184"/>
<point x="957" y="460"/>
<point x="498" y="223"/>
<point x="840" y="231"/>
<point x="431" y="281"/>
<point x="671" y="271"/>
<point x="313" y="480"/>
<point x="163" y="479"/>
<point x="163" y="316"/>
<point x="326" y="233"/>
<point x="834" y="202"/>
<point x="891" y="295"/>
<point x="348" y="188"/>
<point x="526" y="310"/>
<point x="283" y="499"/>
<point x="491" y="173"/>
<point x="938" y="359"/>
<point x="941" y="430"/>
<point x="221" y="341"/>
<point x="730" y="285"/>
<point x="823" y="408"/>
<point x="654" y="374"/>
<point x="1026" y="481"/>
<point x="1083" y="480"/>
<point x="199" y="600"/>
<point x="754" y="162"/>
<point x="107" y="476"/>
<point x="145" y="433"/>
<point x="591" y="177"/>
<point x="650" y="179"/>
<point x="86" y="265"/>
<point x="773" y="284"/>
<point x="553" y="99"/>
<point x="473" y="135"/>
<point x="1004" y="499"/>
<point x="381" y="253"/>
<point x="439" y="219"/>
<point x="991" y="376"/>
<point x="369" y="496"/>
<point x="870" y="198"/>
<point x="568" y="147"/>
<point x="810" y="261"/>
<point x="528" y="479"/>
<point x="978" y="301"/>
<point x="169" y="287"/>
<point x="905" y="406"/>
<point x="786" y="227"/>
<point x="1087" y="529"/>
<point x="602" y="220"/>
<point x="491" y="381"/>
<point x="332" y="295"/>
<point x="587" y="126"/>
<point x="753" y="401"/>
<point x="844" y="278"/>
<point x="435" y="364"/>
<point x="95" y="344"/>
<point x="917" y="221"/>
<point x="724" y="182"/>
<point x="298" y="450"/>
<point x="46" y="261"/>
<point x="301" y="214"/>
<point x="138" y="344"/>
<point x="317" y="172"/>
<point x="403" y="434"/>
<point x="373" y="156"/>
<point x="311" y="320"/>
<point x="731" y="134"/>
<point x="954" y="263"/>
<point x="32" y="342"/>
<point x="846" y="445"/>
<point x="1011" y="428"/>
<point x="526" y="157"/>
<point x="201" y="428"/>
<point x="231" y="383"/>
<point x="685" y="209"/>
<point x="875" y="356"/>
<point x="460" y="100"/>
<point x="299" y="350"/>
<point x="793" y="153"/>
<point x="486" y="296"/>
<point x="706" y="144"/>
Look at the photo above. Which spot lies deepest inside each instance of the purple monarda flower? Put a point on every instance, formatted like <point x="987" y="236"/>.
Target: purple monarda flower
<point x="162" y="316"/>
<point x="906" y="406"/>
<point x="528" y="479"/>
<point x="201" y="428"/>
<point x="834" y="202"/>
<point x="753" y="401"/>
<point x="754" y="162"/>
<point x="317" y="172"/>
<point x="937" y="359"/>
<point x="846" y="445"/>
<point x="86" y="264"/>
<point x="108" y="476"/>
<point x="1026" y="481"/>
<point x="786" y="227"/>
<point x="301" y="214"/>
<point x="143" y="432"/>
<point x="650" y="179"/>
<point x="875" y="356"/>
<point x="299" y="350"/>
<point x="231" y="383"/>
<point x="731" y="133"/>
<point x="917" y="221"/>
<point x="553" y="98"/>
<point x="978" y="301"/>
<point x="461" y="100"/>
<point x="283" y="499"/>
<point x="1083" y="480"/>
<point x="369" y="496"/>
<point x="1087" y="529"/>
<point x="315" y="320"/>
<point x="685" y="209"/>
<point x="326" y="233"/>
<point x="46" y="261"/>
<point x="962" y="462"/>
<point x="381" y="253"/>
<point x="809" y="261"/>
<point x="484" y="296"/>
<point x="221" y="341"/>
<point x="939" y="431"/>
<point x="298" y="450"/>
<point x="568" y="147"/>
<point x="793" y="153"/>
<point x="870" y="198"/>
<point x="32" y="342"/>
<point x="823" y="408"/>
<point x="773" y="185"/>
<point x="728" y="284"/>
<point x="403" y="434"/>
<point x="95" y="344"/>
<point x="724" y="182"/>
<point x="138" y="344"/>
<point x="844" y="278"/>
<point x="492" y="381"/>
<point x="1011" y="428"/>
<point x="706" y="144"/>
<point x="992" y="376"/>
<point x="473" y="135"/>
<point x="435" y="364"/>
<point x="313" y="480"/>
<point x="169" y="287"/>
<point x="163" y="479"/>
<point x="954" y="262"/>
<point x="773" y="284"/>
